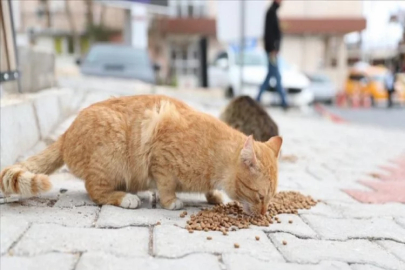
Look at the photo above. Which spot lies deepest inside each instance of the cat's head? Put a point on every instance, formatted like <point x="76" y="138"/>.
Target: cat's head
<point x="256" y="176"/>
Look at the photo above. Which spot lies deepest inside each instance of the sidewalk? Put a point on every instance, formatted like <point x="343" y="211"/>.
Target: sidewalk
<point x="64" y="229"/>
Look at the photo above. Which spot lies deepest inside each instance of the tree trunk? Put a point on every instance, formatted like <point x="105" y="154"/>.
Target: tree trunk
<point x="89" y="13"/>
<point x="47" y="14"/>
<point x="90" y="19"/>
<point x="102" y="15"/>
<point x="73" y="30"/>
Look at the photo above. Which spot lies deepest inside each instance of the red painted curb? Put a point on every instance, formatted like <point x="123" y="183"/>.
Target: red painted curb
<point x="324" y="112"/>
<point x="386" y="188"/>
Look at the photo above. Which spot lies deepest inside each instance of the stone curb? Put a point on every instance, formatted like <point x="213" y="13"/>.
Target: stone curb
<point x="29" y="118"/>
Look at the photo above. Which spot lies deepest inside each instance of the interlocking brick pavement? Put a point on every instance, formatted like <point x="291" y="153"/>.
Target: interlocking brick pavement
<point x="387" y="187"/>
<point x="64" y="229"/>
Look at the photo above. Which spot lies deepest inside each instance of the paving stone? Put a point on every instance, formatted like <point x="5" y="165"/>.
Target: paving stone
<point x="73" y="217"/>
<point x="10" y="230"/>
<point x="365" y="267"/>
<point x="352" y="251"/>
<point x="101" y="261"/>
<point x="43" y="238"/>
<point x="244" y="262"/>
<point x="343" y="229"/>
<point x="320" y="172"/>
<point x="70" y="185"/>
<point x="398" y="249"/>
<point x="400" y="221"/>
<point x="171" y="241"/>
<point x="116" y="217"/>
<point x="322" y="209"/>
<point x="298" y="227"/>
<point x="326" y="194"/>
<point x="47" y="261"/>
<point x="370" y="210"/>
<point x="72" y="199"/>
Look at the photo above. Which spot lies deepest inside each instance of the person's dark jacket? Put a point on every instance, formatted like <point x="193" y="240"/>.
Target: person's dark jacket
<point x="272" y="32"/>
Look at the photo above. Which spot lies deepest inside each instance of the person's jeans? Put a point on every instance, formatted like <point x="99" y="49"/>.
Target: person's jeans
<point x="273" y="71"/>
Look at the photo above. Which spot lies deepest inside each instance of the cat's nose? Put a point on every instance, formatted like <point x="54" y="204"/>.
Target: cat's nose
<point x="263" y="210"/>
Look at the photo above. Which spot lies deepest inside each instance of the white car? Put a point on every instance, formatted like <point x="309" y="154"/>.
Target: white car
<point x="224" y="73"/>
<point x="323" y="88"/>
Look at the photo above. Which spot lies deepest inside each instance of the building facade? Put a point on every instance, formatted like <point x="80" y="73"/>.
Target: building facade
<point x="314" y="35"/>
<point x="48" y="25"/>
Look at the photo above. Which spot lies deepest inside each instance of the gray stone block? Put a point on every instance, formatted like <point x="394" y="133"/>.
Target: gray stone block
<point x="47" y="261"/>
<point x="116" y="217"/>
<point x="343" y="229"/>
<point x="73" y="217"/>
<point x="172" y="242"/>
<point x="100" y="261"/>
<point x="245" y="262"/>
<point x="398" y="249"/>
<point x="401" y="221"/>
<point x="365" y="267"/>
<point x="44" y="238"/>
<point x="298" y="227"/>
<point x="10" y="230"/>
<point x="369" y="210"/>
<point x="352" y="251"/>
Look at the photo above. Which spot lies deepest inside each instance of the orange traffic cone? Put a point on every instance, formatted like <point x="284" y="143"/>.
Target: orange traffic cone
<point x="341" y="99"/>
<point x="367" y="101"/>
<point x="356" y="101"/>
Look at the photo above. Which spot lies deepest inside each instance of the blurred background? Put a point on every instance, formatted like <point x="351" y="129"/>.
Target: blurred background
<point x="335" y="53"/>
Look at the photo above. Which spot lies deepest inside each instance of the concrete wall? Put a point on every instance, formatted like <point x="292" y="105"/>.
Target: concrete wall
<point x="321" y="8"/>
<point x="26" y="119"/>
<point x="305" y="51"/>
<point x="37" y="71"/>
<point x="112" y="17"/>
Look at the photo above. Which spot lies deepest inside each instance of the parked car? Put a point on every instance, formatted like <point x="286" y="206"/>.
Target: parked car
<point x="224" y="72"/>
<point x="111" y="60"/>
<point x="322" y="87"/>
<point x="370" y="81"/>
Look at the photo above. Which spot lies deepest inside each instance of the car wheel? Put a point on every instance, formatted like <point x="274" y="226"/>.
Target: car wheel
<point x="329" y="101"/>
<point x="372" y="101"/>
<point x="229" y="93"/>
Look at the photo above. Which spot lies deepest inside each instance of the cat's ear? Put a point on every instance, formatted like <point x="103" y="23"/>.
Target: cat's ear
<point x="247" y="154"/>
<point x="275" y="144"/>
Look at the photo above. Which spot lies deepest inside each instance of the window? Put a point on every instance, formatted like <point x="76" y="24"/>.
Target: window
<point x="185" y="59"/>
<point x="188" y="8"/>
<point x="222" y="55"/>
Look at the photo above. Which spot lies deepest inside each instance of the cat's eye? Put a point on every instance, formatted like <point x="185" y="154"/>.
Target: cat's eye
<point x="261" y="197"/>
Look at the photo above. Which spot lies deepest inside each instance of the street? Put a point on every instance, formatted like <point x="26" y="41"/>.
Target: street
<point x="335" y="163"/>
<point x="392" y="118"/>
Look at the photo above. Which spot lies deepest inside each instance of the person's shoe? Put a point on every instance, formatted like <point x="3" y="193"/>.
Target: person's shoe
<point x="286" y="108"/>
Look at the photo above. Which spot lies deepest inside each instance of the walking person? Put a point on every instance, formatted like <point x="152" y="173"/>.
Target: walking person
<point x="390" y="86"/>
<point x="272" y="40"/>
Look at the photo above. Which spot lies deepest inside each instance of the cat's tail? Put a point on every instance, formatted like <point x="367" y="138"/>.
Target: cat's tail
<point x="30" y="177"/>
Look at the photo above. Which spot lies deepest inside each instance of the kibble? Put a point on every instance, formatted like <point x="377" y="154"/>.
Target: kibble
<point x="209" y="238"/>
<point x="290" y="221"/>
<point x="257" y="238"/>
<point x="190" y="231"/>
<point x="230" y="217"/>
<point x="158" y="223"/>
<point x="284" y="242"/>
<point x="236" y="245"/>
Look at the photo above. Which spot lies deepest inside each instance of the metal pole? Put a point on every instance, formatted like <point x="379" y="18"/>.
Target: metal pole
<point x="242" y="41"/>
<point x="17" y="71"/>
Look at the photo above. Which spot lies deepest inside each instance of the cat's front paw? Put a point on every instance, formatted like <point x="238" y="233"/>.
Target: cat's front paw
<point x="130" y="201"/>
<point x="175" y="205"/>
<point x="214" y="197"/>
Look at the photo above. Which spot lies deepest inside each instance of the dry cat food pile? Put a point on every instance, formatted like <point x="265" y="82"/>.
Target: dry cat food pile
<point x="231" y="217"/>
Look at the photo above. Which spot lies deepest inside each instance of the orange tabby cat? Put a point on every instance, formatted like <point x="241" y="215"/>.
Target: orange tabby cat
<point x="130" y="144"/>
